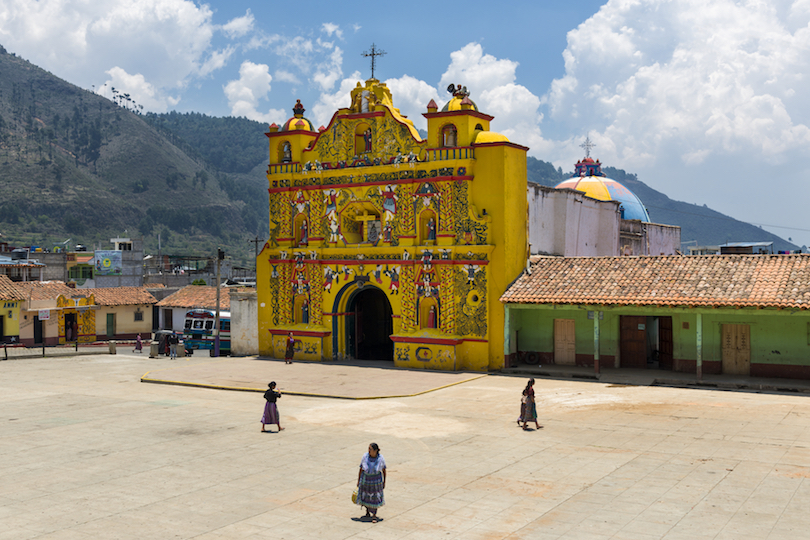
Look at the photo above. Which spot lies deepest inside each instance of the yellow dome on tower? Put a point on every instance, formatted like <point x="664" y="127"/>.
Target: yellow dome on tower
<point x="482" y="137"/>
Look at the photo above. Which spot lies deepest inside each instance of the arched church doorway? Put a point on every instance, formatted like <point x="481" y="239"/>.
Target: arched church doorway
<point x="369" y="328"/>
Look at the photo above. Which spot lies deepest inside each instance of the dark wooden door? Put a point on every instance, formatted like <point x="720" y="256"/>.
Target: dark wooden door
<point x="665" y="343"/>
<point x="633" y="342"/>
<point x="37" y="330"/>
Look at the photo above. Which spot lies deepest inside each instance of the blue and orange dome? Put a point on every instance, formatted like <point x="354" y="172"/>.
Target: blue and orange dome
<point x="590" y="180"/>
<point x="298" y="122"/>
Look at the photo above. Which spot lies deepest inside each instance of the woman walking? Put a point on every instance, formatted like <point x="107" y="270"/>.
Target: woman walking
<point x="270" y="415"/>
<point x="371" y="481"/>
<point x="288" y="354"/>
<point x="138" y="344"/>
<point x="528" y="409"/>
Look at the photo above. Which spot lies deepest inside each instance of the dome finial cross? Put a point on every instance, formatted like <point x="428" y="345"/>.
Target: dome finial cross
<point x="375" y="52"/>
<point x="587" y="145"/>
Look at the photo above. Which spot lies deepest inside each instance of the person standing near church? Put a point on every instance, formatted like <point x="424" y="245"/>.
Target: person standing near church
<point x="270" y="415"/>
<point x="371" y="481"/>
<point x="288" y="353"/>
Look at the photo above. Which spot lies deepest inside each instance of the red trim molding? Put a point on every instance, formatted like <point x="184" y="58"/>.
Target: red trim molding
<point x="501" y="143"/>
<point x="470" y="112"/>
<point x="380" y="183"/>
<point x="435" y="341"/>
<point x="353" y="116"/>
<point x="302" y="333"/>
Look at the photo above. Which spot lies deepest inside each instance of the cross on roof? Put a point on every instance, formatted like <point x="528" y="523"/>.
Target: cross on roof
<point x="375" y="52"/>
<point x="587" y="145"/>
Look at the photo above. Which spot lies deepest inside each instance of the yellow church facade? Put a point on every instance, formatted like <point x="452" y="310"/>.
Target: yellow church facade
<point x="387" y="246"/>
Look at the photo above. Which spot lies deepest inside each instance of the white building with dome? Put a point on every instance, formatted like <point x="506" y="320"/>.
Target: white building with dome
<point x="590" y="215"/>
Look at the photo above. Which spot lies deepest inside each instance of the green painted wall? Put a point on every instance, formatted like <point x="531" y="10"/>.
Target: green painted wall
<point x="777" y="336"/>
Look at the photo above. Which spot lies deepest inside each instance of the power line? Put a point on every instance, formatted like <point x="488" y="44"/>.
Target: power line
<point x="726" y="218"/>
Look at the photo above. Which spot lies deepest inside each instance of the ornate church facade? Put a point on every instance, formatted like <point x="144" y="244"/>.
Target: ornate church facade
<point x="385" y="245"/>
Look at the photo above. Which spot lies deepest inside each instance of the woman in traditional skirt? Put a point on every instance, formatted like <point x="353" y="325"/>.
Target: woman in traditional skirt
<point x="528" y="409"/>
<point x="270" y="415"/>
<point x="288" y="354"/>
<point x="371" y="481"/>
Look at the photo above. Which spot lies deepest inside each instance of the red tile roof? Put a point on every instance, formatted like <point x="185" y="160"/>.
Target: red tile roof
<point x="781" y="281"/>
<point x="121" y="296"/>
<point x="198" y="296"/>
<point x="45" y="290"/>
<point x="9" y="289"/>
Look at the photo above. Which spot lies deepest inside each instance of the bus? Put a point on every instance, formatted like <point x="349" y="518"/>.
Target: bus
<point x="198" y="331"/>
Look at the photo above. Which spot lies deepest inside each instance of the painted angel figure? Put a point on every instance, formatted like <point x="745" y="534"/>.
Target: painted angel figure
<point x="470" y="270"/>
<point x="393" y="274"/>
<point x="347" y="272"/>
<point x="328" y="277"/>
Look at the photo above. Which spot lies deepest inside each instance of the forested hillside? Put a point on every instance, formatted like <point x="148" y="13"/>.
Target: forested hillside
<point x="77" y="165"/>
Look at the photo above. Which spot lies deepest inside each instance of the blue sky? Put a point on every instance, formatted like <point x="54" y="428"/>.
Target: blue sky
<point x="704" y="99"/>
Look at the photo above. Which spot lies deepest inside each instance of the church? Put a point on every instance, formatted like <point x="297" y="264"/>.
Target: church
<point x="387" y="246"/>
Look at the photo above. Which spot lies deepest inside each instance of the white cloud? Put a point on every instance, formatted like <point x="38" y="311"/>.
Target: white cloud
<point x="491" y="83"/>
<point x="217" y="60"/>
<point x="239" y="26"/>
<point x="328" y="104"/>
<point x="286" y="76"/>
<point x="252" y="87"/>
<point x="330" y="71"/>
<point x="85" y="41"/>
<point x="332" y="29"/>
<point x="694" y="78"/>
<point x="139" y="90"/>
<point x="411" y="97"/>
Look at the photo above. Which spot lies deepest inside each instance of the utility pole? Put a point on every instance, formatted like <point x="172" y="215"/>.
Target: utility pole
<point x="220" y="256"/>
<point x="255" y="243"/>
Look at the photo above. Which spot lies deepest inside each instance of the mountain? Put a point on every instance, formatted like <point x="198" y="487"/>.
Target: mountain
<point x="77" y="165"/>
<point x="699" y="225"/>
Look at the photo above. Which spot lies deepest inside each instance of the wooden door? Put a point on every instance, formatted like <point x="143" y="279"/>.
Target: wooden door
<point x="665" y="343"/>
<point x="633" y="342"/>
<point x="736" y="349"/>
<point x="565" y="342"/>
<point x="37" y="330"/>
<point x="110" y="325"/>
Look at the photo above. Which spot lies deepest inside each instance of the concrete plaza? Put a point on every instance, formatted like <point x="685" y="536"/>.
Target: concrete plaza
<point x="87" y="451"/>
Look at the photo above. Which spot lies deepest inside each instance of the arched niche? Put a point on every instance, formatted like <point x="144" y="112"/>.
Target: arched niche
<point x="428" y="312"/>
<point x="284" y="152"/>
<point x="449" y="136"/>
<point x="301" y="230"/>
<point x="363" y="139"/>
<point x="301" y="309"/>
<point x="427" y="226"/>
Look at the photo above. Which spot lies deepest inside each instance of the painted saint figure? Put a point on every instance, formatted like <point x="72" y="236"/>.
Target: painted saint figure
<point x="330" y="200"/>
<point x="431" y="322"/>
<point x="334" y="229"/>
<point x="367" y="140"/>
<point x="305" y="312"/>
<point x="389" y="203"/>
<point x="431" y="229"/>
<point x="304" y="233"/>
<point x="387" y="231"/>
